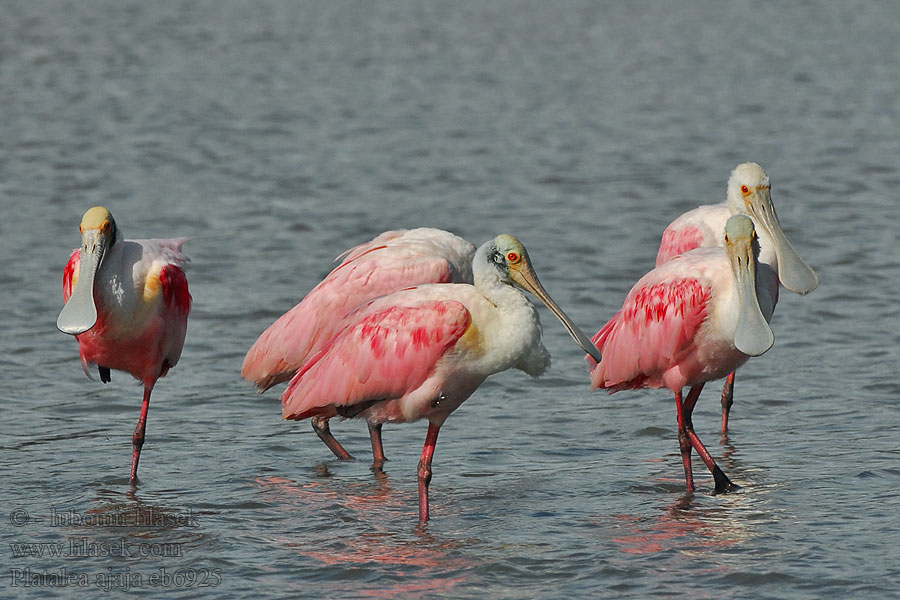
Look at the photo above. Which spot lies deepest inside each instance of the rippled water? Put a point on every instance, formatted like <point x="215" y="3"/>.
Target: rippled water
<point x="278" y="134"/>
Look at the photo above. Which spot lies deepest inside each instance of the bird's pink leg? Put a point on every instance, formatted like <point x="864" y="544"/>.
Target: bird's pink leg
<point x="137" y="439"/>
<point x="320" y="426"/>
<point x="377" y="448"/>
<point x="424" y="470"/>
<point x="684" y="443"/>
<point x="727" y="401"/>
<point x="723" y="484"/>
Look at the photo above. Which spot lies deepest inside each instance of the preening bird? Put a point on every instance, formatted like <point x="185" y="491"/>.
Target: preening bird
<point x="421" y="352"/>
<point x="390" y="262"/>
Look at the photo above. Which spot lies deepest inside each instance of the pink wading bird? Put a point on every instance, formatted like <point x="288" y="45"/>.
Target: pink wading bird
<point x="420" y="352"/>
<point x="748" y="193"/>
<point x="127" y="303"/>
<point x="693" y="319"/>
<point x="391" y="262"/>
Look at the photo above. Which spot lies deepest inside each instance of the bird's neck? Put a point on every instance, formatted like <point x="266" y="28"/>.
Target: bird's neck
<point x="497" y="292"/>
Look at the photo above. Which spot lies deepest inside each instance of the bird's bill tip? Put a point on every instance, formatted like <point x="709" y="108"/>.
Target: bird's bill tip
<point x="78" y="315"/>
<point x="71" y="326"/>
<point x="753" y="336"/>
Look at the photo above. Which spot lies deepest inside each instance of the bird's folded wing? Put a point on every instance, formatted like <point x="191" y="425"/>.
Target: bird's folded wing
<point x="295" y="336"/>
<point x="383" y="352"/>
<point x="656" y="324"/>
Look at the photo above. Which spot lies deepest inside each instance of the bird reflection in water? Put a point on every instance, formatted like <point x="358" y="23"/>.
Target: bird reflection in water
<point x="683" y="526"/>
<point x="420" y="562"/>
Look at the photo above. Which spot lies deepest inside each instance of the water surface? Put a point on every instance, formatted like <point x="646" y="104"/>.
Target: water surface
<point x="279" y="134"/>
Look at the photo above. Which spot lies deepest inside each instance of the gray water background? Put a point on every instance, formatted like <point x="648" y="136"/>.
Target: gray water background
<point x="277" y="134"/>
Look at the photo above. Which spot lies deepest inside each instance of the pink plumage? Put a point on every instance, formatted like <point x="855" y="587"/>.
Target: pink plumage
<point x="691" y="230"/>
<point x="654" y="329"/>
<point x="148" y="346"/>
<point x="690" y="320"/>
<point x="392" y="261"/>
<point x="386" y="351"/>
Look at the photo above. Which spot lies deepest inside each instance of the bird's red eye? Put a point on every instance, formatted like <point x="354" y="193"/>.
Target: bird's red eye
<point x="745" y="190"/>
<point x="106" y="226"/>
<point x="512" y="257"/>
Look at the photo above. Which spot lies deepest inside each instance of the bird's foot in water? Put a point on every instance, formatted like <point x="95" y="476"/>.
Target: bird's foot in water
<point x="723" y="484"/>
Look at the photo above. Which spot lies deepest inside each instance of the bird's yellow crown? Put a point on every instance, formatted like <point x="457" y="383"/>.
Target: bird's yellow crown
<point x="97" y="218"/>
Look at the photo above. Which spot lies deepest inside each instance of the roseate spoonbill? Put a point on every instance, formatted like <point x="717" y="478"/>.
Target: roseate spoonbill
<point x="420" y="352"/>
<point x="127" y="303"/>
<point x="390" y="262"/>
<point x="748" y="193"/>
<point x="690" y="320"/>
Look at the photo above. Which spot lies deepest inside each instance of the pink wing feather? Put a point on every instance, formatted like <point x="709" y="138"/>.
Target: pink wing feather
<point x="384" y="352"/>
<point x="292" y="339"/>
<point x="68" y="273"/>
<point x="677" y="241"/>
<point x="701" y="227"/>
<point x="376" y="244"/>
<point x="655" y="326"/>
<point x="177" y="302"/>
<point x="174" y="284"/>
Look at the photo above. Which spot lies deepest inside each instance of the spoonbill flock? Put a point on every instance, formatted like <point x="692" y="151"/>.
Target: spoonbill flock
<point x="409" y="324"/>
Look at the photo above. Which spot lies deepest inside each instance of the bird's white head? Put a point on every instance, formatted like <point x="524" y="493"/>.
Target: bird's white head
<point x="505" y="259"/>
<point x="749" y="193"/>
<point x="748" y="185"/>
<point x="98" y="234"/>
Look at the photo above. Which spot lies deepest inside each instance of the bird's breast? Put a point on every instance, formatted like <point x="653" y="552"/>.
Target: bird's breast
<point x="128" y="295"/>
<point x="503" y="337"/>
